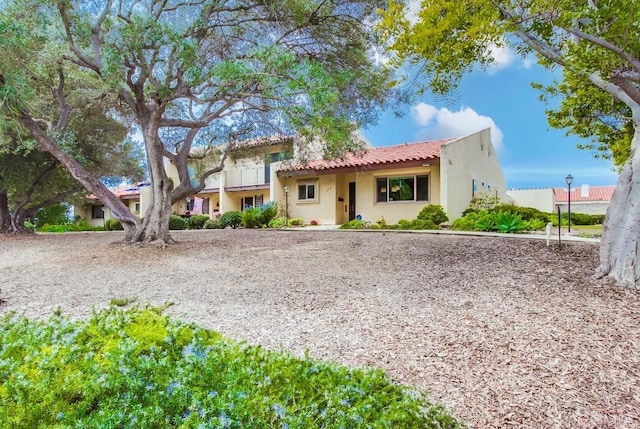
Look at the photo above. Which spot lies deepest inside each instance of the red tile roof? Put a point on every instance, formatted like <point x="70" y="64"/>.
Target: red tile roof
<point x="376" y="156"/>
<point x="595" y="193"/>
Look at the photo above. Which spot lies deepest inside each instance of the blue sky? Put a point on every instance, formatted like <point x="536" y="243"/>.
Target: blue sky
<point x="531" y="153"/>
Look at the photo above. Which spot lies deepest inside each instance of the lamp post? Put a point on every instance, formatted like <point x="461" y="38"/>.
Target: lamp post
<point x="569" y="180"/>
<point x="286" y="206"/>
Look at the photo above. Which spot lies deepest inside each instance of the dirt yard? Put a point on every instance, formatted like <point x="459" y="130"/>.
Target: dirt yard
<point x="505" y="332"/>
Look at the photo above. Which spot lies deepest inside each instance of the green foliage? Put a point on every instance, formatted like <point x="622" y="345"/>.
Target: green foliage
<point x="212" y="224"/>
<point x="251" y="217"/>
<point x="268" y="212"/>
<point x="30" y="226"/>
<point x="138" y="367"/>
<point x="296" y="221"/>
<point x="485" y="221"/>
<point x="197" y="221"/>
<point x="527" y="213"/>
<point x="403" y="224"/>
<point x="231" y="219"/>
<point x="54" y="228"/>
<point x="466" y="223"/>
<point x="177" y="223"/>
<point x="278" y="222"/>
<point x="113" y="224"/>
<point x="417" y="224"/>
<point x="535" y="225"/>
<point x="508" y="222"/>
<point x="81" y="225"/>
<point x="353" y="224"/>
<point x="56" y="214"/>
<point x="594" y="47"/>
<point x="433" y="213"/>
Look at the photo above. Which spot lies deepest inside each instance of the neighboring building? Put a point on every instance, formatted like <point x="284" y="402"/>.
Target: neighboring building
<point x="584" y="199"/>
<point x="393" y="182"/>
<point x="96" y="212"/>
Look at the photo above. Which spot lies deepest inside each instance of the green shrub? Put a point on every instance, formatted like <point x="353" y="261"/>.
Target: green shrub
<point x="597" y="219"/>
<point x="581" y="219"/>
<point x="485" y="221"/>
<point x="177" y="223"/>
<point x="251" y="217"/>
<point x="466" y="222"/>
<point x="278" y="222"/>
<point x="508" y="222"/>
<point x="535" y="225"/>
<point x="212" y="224"/>
<point x="296" y="221"/>
<point x="197" y="221"/>
<point x="526" y="213"/>
<point x="139" y="368"/>
<point x="231" y="219"/>
<point x="433" y="213"/>
<point x="53" y="228"/>
<point x="113" y="225"/>
<point x="29" y="226"/>
<point x="418" y="224"/>
<point x="484" y="201"/>
<point x="403" y="224"/>
<point x="353" y="224"/>
<point x="269" y="211"/>
<point x="53" y="215"/>
<point x="81" y="225"/>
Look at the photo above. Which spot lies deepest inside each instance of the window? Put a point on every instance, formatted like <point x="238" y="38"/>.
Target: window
<point x="137" y="208"/>
<point x="97" y="212"/>
<point x="307" y="192"/>
<point x="402" y="188"/>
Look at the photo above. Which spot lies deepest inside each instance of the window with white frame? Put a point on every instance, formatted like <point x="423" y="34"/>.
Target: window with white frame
<point x="307" y="191"/>
<point x="402" y="188"/>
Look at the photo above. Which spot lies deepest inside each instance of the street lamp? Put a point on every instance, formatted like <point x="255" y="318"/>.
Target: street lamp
<point x="569" y="180"/>
<point x="286" y="206"/>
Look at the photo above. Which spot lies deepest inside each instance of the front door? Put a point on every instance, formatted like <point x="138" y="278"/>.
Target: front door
<point x="352" y="200"/>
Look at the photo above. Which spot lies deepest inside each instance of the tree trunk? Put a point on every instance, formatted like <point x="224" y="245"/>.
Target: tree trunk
<point x="85" y="178"/>
<point x="5" y="216"/>
<point x="620" y="243"/>
<point x="155" y="226"/>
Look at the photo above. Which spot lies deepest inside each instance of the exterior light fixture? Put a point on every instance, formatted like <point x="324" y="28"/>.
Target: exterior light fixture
<point x="569" y="180"/>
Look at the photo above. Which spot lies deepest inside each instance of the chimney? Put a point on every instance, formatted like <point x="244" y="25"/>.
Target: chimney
<point x="584" y="191"/>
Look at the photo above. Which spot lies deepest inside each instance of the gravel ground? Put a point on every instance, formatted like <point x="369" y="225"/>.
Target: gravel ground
<point x="505" y="332"/>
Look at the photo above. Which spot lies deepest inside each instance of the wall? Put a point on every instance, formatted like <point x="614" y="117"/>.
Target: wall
<point x="462" y="161"/>
<point x="322" y="209"/>
<point x="587" y="207"/>
<point x="540" y="198"/>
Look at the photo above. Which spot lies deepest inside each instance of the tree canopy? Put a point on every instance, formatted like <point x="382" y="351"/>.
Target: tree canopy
<point x="596" y="44"/>
<point x="203" y="73"/>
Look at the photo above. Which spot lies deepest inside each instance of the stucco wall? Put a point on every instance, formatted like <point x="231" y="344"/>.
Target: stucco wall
<point x="540" y="198"/>
<point x="463" y="161"/>
<point x="322" y="209"/>
<point x="591" y="207"/>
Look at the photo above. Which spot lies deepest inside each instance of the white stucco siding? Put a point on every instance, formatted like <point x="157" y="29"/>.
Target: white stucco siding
<point x="540" y="198"/>
<point x="585" y="207"/>
<point x="463" y="161"/>
<point x="392" y="212"/>
<point x="322" y="208"/>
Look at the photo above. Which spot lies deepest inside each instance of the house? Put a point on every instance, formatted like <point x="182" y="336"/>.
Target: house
<point x="97" y="213"/>
<point x="393" y="182"/>
<point x="584" y="199"/>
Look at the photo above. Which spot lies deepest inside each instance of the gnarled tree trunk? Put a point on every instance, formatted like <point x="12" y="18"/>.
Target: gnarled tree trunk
<point x="119" y="210"/>
<point x="155" y="226"/>
<point x="620" y="243"/>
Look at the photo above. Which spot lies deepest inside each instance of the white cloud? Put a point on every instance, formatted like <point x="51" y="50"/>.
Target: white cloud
<point x="503" y="57"/>
<point x="442" y="123"/>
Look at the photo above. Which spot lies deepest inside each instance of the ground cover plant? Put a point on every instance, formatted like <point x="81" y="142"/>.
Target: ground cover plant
<point x="139" y="368"/>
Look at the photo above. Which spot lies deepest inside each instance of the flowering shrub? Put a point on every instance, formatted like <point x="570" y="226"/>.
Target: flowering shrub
<point x="138" y="368"/>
